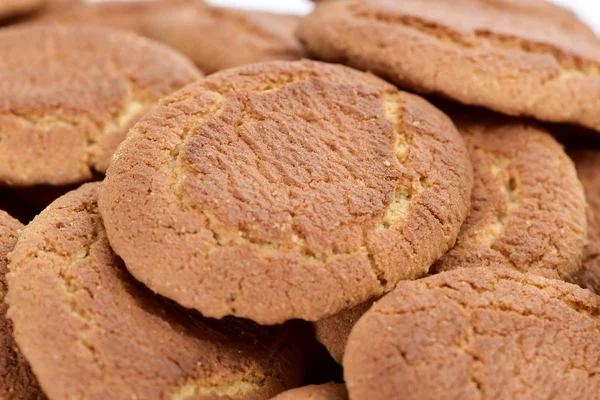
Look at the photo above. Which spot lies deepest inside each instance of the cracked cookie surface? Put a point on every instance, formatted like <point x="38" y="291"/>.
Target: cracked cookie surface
<point x="513" y="57"/>
<point x="215" y="38"/>
<point x="16" y="379"/>
<point x="528" y="208"/>
<point x="69" y="95"/>
<point x="90" y="331"/>
<point x="588" y="167"/>
<point x="477" y="333"/>
<point x="327" y="391"/>
<point x="285" y="190"/>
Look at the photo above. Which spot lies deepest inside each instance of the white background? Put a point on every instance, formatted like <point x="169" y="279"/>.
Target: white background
<point x="589" y="10"/>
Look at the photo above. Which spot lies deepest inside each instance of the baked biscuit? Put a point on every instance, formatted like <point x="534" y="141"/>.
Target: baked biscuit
<point x="16" y="379"/>
<point x="527" y="211"/>
<point x="215" y="38"/>
<point x="285" y="190"/>
<point x="588" y="167"/>
<point x="327" y="391"/>
<point x="90" y="331"/>
<point x="333" y="331"/>
<point x="69" y="95"/>
<point x="477" y="333"/>
<point x="528" y="208"/>
<point x="520" y="58"/>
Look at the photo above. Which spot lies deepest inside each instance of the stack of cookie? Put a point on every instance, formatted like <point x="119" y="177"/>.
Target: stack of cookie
<point x="445" y="251"/>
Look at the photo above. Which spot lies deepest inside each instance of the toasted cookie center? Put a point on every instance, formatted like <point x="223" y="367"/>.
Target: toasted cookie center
<point x="307" y="166"/>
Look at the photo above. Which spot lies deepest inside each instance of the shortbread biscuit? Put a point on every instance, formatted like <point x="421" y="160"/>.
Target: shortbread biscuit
<point x="528" y="208"/>
<point x="477" y="333"/>
<point x="327" y="391"/>
<point x="285" y="190"/>
<point x="215" y="38"/>
<point x="68" y="96"/>
<point x="90" y="331"/>
<point x="587" y="162"/>
<point x="16" y="379"/>
<point x="510" y="56"/>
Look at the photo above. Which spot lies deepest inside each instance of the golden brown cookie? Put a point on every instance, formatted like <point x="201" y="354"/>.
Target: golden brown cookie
<point x="16" y="379"/>
<point x="327" y="391"/>
<point x="528" y="208"/>
<point x="69" y="95"/>
<point x="588" y="168"/>
<point x="90" y="331"/>
<point x="333" y="331"/>
<point x="215" y="38"/>
<point x="11" y="8"/>
<point x="285" y="190"/>
<point x="520" y="58"/>
<point x="477" y="333"/>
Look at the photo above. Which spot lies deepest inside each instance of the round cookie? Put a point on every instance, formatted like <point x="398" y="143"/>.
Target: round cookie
<point x="477" y="333"/>
<point x="215" y="38"/>
<point x="333" y="331"/>
<point x="587" y="162"/>
<point x="528" y="208"/>
<point x="99" y="334"/>
<point x="520" y="58"/>
<point x="285" y="190"/>
<point x="69" y="95"/>
<point x="16" y="379"/>
<point x="327" y="391"/>
<point x="11" y="8"/>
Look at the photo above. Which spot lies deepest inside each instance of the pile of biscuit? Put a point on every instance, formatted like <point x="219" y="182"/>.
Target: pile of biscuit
<point x="385" y="199"/>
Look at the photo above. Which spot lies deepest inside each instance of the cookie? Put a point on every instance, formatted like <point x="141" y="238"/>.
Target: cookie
<point x="333" y="331"/>
<point x="70" y="94"/>
<point x="587" y="162"/>
<point x="477" y="333"/>
<point x="520" y="58"/>
<point x="100" y="334"/>
<point x="327" y="391"/>
<point x="200" y="31"/>
<point x="285" y="190"/>
<point x="16" y="379"/>
<point x="528" y="208"/>
<point x="11" y="8"/>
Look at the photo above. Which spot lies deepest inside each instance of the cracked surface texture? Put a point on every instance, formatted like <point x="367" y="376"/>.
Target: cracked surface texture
<point x="215" y="38"/>
<point x="477" y="333"/>
<point x="69" y="95"/>
<point x="588" y="168"/>
<point x="327" y="391"/>
<point x="285" y="190"/>
<point x="518" y="58"/>
<point x="528" y="208"/>
<point x="16" y="379"/>
<point x="90" y="331"/>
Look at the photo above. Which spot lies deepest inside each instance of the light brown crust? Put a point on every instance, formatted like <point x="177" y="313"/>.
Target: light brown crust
<point x="528" y="208"/>
<point x="327" y="391"/>
<point x="333" y="332"/>
<point x="16" y="379"/>
<point x="99" y="334"/>
<point x="588" y="167"/>
<point x="506" y="56"/>
<point x="70" y="94"/>
<point x="257" y="192"/>
<point x="215" y="38"/>
<point x="477" y="333"/>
